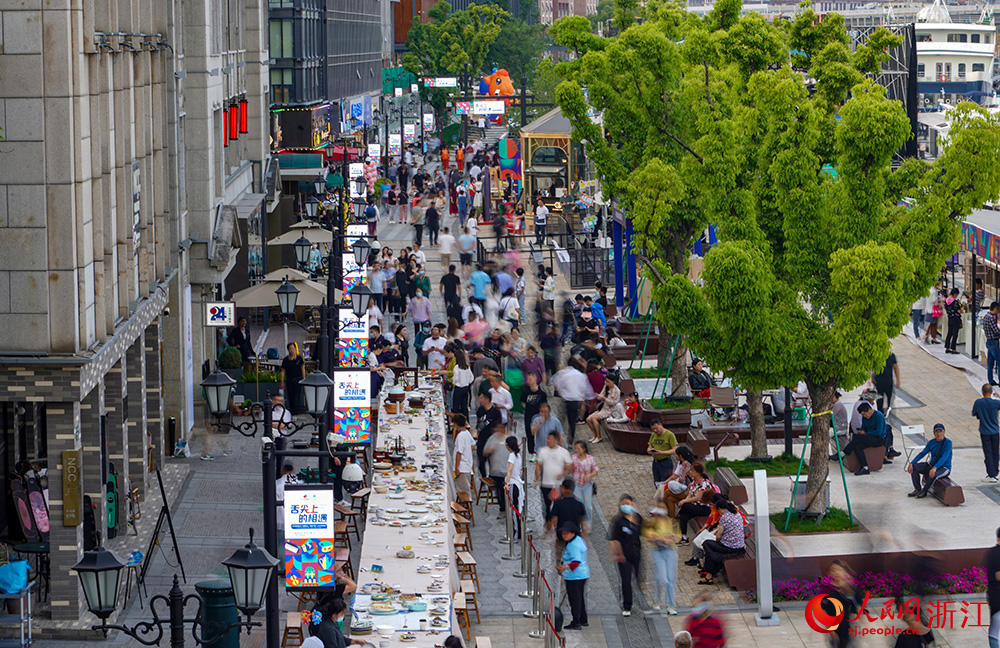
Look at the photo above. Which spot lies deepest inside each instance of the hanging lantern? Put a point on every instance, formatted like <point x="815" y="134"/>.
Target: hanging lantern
<point x="244" y="108"/>
<point x="234" y="121"/>
<point x="225" y="128"/>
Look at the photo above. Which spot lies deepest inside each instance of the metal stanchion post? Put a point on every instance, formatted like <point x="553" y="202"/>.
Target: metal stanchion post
<point x="511" y="541"/>
<point x="540" y="633"/>
<point x="508" y="525"/>
<point x="527" y="568"/>
<point x="536" y="592"/>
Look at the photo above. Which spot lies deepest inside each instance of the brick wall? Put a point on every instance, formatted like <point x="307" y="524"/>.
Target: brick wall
<point x="154" y="400"/>
<point x="65" y="542"/>
<point x="136" y="439"/>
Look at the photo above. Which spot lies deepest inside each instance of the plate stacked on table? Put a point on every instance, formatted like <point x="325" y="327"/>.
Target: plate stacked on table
<point x="361" y="627"/>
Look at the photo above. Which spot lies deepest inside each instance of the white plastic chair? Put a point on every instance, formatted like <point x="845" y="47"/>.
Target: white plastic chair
<point x="914" y="439"/>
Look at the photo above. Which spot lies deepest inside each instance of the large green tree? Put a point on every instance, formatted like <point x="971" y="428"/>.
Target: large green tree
<point x="518" y="49"/>
<point x="816" y="270"/>
<point x="450" y="44"/>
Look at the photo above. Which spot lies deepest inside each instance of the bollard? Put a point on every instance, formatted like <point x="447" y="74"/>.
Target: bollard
<point x="536" y="594"/>
<point x="527" y="568"/>
<point x="508" y="525"/>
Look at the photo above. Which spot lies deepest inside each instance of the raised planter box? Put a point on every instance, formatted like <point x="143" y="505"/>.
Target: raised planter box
<point x="670" y="418"/>
<point x="257" y="391"/>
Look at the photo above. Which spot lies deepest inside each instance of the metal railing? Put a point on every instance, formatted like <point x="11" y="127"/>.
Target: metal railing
<point x="573" y="254"/>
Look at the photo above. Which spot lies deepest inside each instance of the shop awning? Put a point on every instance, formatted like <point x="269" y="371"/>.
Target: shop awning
<point x="981" y="235"/>
<point x="547" y="169"/>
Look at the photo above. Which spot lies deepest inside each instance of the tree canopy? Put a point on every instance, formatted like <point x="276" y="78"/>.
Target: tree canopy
<point x="710" y="120"/>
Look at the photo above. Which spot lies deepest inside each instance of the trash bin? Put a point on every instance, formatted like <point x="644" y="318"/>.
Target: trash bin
<point x="217" y="611"/>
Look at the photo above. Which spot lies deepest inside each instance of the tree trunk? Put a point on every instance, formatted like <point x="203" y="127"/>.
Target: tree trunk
<point x="821" y="395"/>
<point x="758" y="435"/>
<point x="678" y="373"/>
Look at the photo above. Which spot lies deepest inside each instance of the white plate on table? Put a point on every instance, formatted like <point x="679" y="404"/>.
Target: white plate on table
<point x="419" y="510"/>
<point x="395" y="511"/>
<point x="396" y="495"/>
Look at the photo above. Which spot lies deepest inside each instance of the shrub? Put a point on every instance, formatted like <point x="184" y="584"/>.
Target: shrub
<point x="883" y="585"/>
<point x="230" y="358"/>
<point x="260" y="376"/>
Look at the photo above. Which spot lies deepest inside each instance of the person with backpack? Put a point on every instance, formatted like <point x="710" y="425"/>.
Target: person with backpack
<point x="371" y="215"/>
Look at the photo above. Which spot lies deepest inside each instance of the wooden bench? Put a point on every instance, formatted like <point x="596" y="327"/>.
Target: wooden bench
<point x="698" y="443"/>
<point x="730" y="485"/>
<point x="461" y="613"/>
<point x="466" y="500"/>
<point x="948" y="492"/>
<point x="467" y="568"/>
<point x="462" y="542"/>
<point x="741" y="570"/>
<point x="874" y="455"/>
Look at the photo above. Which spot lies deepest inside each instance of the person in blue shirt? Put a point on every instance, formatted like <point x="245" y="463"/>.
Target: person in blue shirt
<point x="479" y="281"/>
<point x="985" y="409"/>
<point x="575" y="571"/>
<point x="937" y="466"/>
<point x="597" y="310"/>
<point x="871" y="435"/>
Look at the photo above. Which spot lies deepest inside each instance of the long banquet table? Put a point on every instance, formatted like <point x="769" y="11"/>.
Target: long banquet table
<point x="415" y="512"/>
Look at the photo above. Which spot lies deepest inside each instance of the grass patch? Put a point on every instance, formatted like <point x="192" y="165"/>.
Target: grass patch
<point x="835" y="520"/>
<point x="648" y="372"/>
<point x="677" y="403"/>
<point x="783" y="464"/>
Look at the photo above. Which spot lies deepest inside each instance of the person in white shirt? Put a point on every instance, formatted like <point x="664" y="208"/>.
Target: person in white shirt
<point x="374" y="313"/>
<point x="281" y="418"/>
<point x="433" y="349"/>
<point x="553" y="462"/>
<point x="575" y="389"/>
<point x="464" y="455"/>
<point x="471" y="224"/>
<point x="482" y="127"/>
<point x="541" y="220"/>
<point x="502" y="399"/>
<point x="549" y="288"/>
<point x="418" y="254"/>
<point x="470" y="308"/>
<point x="446" y="245"/>
<point x="475" y="172"/>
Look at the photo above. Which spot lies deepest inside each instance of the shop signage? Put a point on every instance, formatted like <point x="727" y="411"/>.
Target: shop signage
<point x="428" y="122"/>
<point x="309" y="534"/>
<point x="220" y="314"/>
<point x="441" y="82"/>
<point x="71" y="487"/>
<point x="352" y="411"/>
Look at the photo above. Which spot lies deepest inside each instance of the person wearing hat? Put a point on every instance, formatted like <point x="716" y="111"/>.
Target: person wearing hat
<point x="575" y="571"/>
<point x="937" y="466"/>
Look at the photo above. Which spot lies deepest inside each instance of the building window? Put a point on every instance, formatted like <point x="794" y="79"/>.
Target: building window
<point x="975" y="38"/>
<point x="281" y="86"/>
<point x="920" y="70"/>
<point x="939" y="72"/>
<point x="924" y="38"/>
<point x="987" y="38"/>
<point x="957" y="38"/>
<point x="281" y="39"/>
<point x="978" y="67"/>
<point x="961" y="70"/>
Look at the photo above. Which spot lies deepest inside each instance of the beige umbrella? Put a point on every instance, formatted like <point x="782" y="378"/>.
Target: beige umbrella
<point x="312" y="233"/>
<point x="311" y="293"/>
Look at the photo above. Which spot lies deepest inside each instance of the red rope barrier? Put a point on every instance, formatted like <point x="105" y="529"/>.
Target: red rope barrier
<point x="546" y="581"/>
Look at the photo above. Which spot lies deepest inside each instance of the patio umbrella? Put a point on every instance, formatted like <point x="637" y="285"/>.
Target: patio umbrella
<point x="311" y="293"/>
<point x="312" y="232"/>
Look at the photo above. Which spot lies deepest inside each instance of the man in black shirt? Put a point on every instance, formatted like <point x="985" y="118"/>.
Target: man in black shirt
<point x="993" y="589"/>
<point x="625" y="547"/>
<point x="567" y="508"/>
<point x="531" y="402"/>
<point x="487" y="417"/>
<point x="239" y="337"/>
<point x="451" y="288"/>
<point x="883" y="383"/>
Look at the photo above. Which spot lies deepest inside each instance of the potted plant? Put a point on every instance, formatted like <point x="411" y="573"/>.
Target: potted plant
<point x="231" y="362"/>
<point x="671" y="411"/>
<point x="258" y="383"/>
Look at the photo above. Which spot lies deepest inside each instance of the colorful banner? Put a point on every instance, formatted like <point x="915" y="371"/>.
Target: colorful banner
<point x="409" y="133"/>
<point x="352" y="404"/>
<point x="309" y="534"/>
<point x="353" y="340"/>
<point x="510" y="161"/>
<point x="463" y="107"/>
<point x="982" y="243"/>
<point x="441" y="82"/>
<point x="428" y="122"/>
<point x="489" y="107"/>
<point x="395" y="148"/>
<point x="375" y="152"/>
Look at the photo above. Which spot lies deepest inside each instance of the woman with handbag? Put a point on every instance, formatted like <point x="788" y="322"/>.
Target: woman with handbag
<point x="691" y="507"/>
<point x="729" y="542"/>
<point x="953" y="308"/>
<point x="932" y="311"/>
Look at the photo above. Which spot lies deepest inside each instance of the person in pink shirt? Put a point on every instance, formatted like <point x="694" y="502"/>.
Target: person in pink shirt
<point x="475" y="329"/>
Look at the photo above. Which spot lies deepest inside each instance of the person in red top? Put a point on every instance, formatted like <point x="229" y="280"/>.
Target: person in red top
<point x="706" y="629"/>
<point x="632" y="405"/>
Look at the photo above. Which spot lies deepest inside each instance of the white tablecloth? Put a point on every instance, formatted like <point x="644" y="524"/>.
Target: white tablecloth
<point x="432" y="543"/>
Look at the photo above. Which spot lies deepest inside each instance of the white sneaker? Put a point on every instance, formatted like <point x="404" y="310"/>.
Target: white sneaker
<point x="657" y="607"/>
<point x="626" y="613"/>
<point x="671" y="611"/>
<point x="989" y="480"/>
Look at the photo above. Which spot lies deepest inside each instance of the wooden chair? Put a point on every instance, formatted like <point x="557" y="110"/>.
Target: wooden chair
<point x="293" y="630"/>
<point x="340" y="534"/>
<point x="342" y="557"/>
<point x="462" y="525"/>
<point x="359" y="500"/>
<point x="467" y="568"/>
<point x="466" y="500"/>
<point x="351" y="517"/>
<point x="462" y="542"/>
<point x="723" y="401"/>
<point x="487" y="490"/>
<point x="458" y="602"/>
<point x="469" y="589"/>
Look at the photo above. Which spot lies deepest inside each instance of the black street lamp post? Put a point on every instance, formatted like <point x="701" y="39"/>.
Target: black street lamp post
<point x="250" y="571"/>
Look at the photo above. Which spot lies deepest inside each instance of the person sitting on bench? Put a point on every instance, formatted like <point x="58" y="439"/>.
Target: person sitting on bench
<point x="701" y="381"/>
<point x="871" y="434"/>
<point x="937" y="466"/>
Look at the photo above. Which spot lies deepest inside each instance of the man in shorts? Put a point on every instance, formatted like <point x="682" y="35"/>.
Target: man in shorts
<point x="466" y="248"/>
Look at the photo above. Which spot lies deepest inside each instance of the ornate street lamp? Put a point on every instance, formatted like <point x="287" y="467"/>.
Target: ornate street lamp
<point x="312" y="204"/>
<point x="360" y="295"/>
<point x="320" y="184"/>
<point x="100" y="573"/>
<point x="219" y="389"/>
<point x="302" y="248"/>
<point x="361" y="250"/>
<point x="250" y="569"/>
<point x="316" y="392"/>
<point x="287" y="294"/>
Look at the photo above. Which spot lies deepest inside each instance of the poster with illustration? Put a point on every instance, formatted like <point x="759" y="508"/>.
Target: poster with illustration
<point x="309" y="533"/>
<point x="352" y="404"/>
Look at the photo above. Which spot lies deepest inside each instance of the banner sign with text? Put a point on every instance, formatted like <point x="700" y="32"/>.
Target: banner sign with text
<point x="352" y="411"/>
<point x="309" y="534"/>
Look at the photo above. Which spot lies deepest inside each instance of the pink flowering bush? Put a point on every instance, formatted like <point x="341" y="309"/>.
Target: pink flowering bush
<point x="883" y="585"/>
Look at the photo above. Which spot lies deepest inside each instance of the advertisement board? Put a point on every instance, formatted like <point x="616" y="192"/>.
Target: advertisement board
<point x="394" y="144"/>
<point x="375" y="152"/>
<point x="220" y="314"/>
<point x="353" y="339"/>
<point x="428" y="122"/>
<point x="489" y="107"/>
<point x="409" y="133"/>
<point x="441" y="82"/>
<point x="309" y="533"/>
<point x="352" y="404"/>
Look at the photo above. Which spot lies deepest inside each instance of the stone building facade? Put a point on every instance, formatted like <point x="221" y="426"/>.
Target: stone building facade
<point x="119" y="210"/>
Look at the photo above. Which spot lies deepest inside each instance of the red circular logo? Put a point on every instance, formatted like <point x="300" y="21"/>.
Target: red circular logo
<point x="818" y="619"/>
